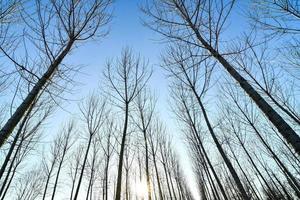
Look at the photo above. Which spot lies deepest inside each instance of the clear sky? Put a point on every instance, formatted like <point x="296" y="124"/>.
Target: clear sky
<point x="126" y="30"/>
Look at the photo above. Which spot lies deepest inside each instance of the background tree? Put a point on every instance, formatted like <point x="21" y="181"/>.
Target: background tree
<point x="145" y="107"/>
<point x="125" y="79"/>
<point x="94" y="113"/>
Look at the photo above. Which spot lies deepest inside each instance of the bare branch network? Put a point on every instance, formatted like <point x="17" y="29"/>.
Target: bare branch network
<point x="233" y="76"/>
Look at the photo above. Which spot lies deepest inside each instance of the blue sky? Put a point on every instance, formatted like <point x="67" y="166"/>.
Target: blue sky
<point x="126" y="30"/>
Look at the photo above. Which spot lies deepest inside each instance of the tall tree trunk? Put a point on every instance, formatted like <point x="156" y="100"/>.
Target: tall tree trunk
<point x="105" y="196"/>
<point x="11" y="167"/>
<point x="202" y="149"/>
<point x="12" y="146"/>
<point x="126" y="184"/>
<point x="9" y="182"/>
<point x="275" y="157"/>
<point x="121" y="156"/>
<point x="221" y="151"/>
<point x="167" y="179"/>
<point x="90" y="187"/>
<point x="47" y="181"/>
<point x="89" y="190"/>
<point x="57" y="176"/>
<point x="11" y="123"/>
<point x="74" y="181"/>
<point x="147" y="166"/>
<point x="283" y="127"/>
<point x="157" y="174"/>
<point x="82" y="168"/>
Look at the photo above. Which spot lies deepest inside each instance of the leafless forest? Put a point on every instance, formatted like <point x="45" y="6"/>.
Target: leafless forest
<point x="234" y="100"/>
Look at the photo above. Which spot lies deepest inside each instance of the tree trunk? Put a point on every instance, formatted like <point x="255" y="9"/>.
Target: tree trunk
<point x="47" y="181"/>
<point x="57" y="176"/>
<point x="157" y="175"/>
<point x="121" y="156"/>
<point x="202" y="149"/>
<point x="167" y="179"/>
<point x="275" y="157"/>
<point x="9" y="126"/>
<point x="283" y="127"/>
<point x="10" y="167"/>
<point x="12" y="146"/>
<point x="73" y="181"/>
<point x="106" y="180"/>
<point x="223" y="154"/>
<point x="82" y="168"/>
<point x="147" y="166"/>
<point x="9" y="182"/>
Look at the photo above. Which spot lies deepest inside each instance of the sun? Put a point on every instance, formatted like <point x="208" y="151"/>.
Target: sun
<point x="140" y="189"/>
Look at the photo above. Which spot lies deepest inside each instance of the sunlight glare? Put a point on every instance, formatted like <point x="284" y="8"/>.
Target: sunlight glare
<point x="140" y="189"/>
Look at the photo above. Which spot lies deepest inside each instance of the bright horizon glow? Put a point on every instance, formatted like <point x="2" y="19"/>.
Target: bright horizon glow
<point x="140" y="189"/>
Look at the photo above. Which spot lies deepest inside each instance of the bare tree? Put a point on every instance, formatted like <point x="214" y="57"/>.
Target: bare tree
<point x="125" y="79"/>
<point x="54" y="28"/>
<point x="93" y="166"/>
<point x="108" y="146"/>
<point x="48" y="165"/>
<point x="145" y="107"/>
<point x="94" y="113"/>
<point x="186" y="69"/>
<point x="23" y="144"/>
<point x="75" y="167"/>
<point x="155" y="130"/>
<point x="200" y="24"/>
<point x="30" y="185"/>
<point x="65" y="140"/>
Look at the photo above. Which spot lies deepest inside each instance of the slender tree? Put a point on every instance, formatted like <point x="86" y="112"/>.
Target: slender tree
<point x="108" y="146"/>
<point x="94" y="113"/>
<point x="200" y="24"/>
<point x="145" y="108"/>
<point x="73" y="21"/>
<point x="66" y="141"/>
<point x="125" y="79"/>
